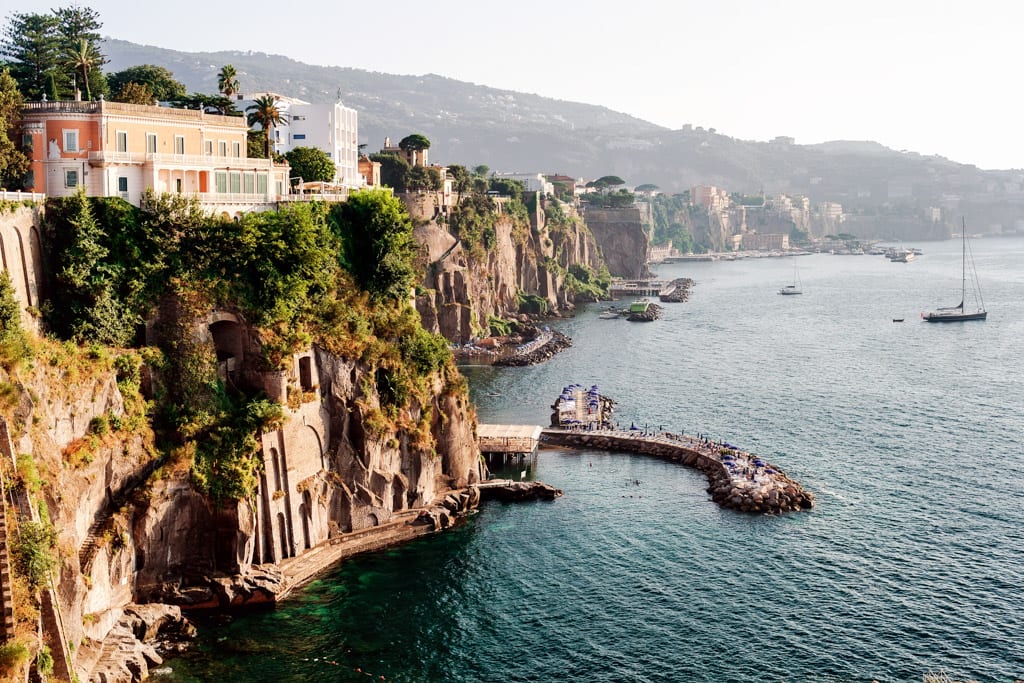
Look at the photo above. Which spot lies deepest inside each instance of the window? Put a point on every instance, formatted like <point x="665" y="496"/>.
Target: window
<point x="151" y="143"/>
<point x="177" y="185"/>
<point x="222" y="148"/>
<point x="208" y="148"/>
<point x="220" y="180"/>
<point x="179" y="144"/>
<point x="235" y="185"/>
<point x="26" y="142"/>
<point x="299" y="136"/>
<point x="71" y="142"/>
<point x="236" y="149"/>
<point x="122" y="184"/>
<point x="122" y="140"/>
<point x="261" y="183"/>
<point x="71" y="178"/>
<point x="249" y="183"/>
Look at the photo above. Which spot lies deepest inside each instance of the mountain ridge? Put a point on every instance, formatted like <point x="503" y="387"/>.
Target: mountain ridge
<point x="511" y="131"/>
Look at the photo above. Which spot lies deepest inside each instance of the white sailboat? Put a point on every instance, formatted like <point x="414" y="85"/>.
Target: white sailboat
<point x="794" y="288"/>
<point x="958" y="313"/>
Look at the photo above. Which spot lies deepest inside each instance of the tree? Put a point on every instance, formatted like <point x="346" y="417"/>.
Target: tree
<point x="13" y="163"/>
<point x="161" y="82"/>
<point x="646" y="187"/>
<point x="394" y="171"/>
<point x="311" y="164"/>
<point x="481" y="170"/>
<point x="82" y="59"/>
<point x="211" y="104"/>
<point x="264" y="111"/>
<point x="31" y="46"/>
<point x="425" y="179"/>
<point x="227" y="80"/>
<point x="415" y="142"/>
<point x="377" y="243"/>
<point x="74" y="25"/>
<point x="134" y="93"/>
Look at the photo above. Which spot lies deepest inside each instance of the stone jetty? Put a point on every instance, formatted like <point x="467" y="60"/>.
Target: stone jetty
<point x="677" y="291"/>
<point x="508" y="490"/>
<point x="537" y="351"/>
<point x="737" y="480"/>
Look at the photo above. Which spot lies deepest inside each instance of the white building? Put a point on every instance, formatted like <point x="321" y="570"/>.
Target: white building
<point x="534" y="182"/>
<point x="332" y="128"/>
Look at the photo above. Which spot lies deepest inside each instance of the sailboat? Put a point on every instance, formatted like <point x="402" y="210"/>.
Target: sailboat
<point x="795" y="287"/>
<point x="952" y="314"/>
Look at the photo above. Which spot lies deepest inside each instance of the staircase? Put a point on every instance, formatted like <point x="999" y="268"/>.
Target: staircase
<point x="6" y="597"/>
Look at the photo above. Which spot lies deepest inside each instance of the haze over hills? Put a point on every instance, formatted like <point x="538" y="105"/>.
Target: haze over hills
<point x="510" y="131"/>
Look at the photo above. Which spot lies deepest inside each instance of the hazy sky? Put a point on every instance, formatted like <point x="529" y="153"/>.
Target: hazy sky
<point x="929" y="76"/>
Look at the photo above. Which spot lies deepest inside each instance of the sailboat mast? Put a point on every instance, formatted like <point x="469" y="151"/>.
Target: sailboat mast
<point x="963" y="262"/>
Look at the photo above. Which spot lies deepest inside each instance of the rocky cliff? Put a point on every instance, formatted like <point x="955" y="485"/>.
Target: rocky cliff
<point x="466" y="285"/>
<point x="132" y="527"/>
<point x="623" y="239"/>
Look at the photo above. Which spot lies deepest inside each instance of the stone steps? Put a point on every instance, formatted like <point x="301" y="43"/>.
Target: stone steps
<point x="6" y="596"/>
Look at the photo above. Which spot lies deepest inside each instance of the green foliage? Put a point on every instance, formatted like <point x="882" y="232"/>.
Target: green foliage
<point x="423" y="179"/>
<point x="377" y="243"/>
<point x="227" y="80"/>
<point x="226" y="464"/>
<point x="211" y="104"/>
<point x="424" y="351"/>
<point x="531" y="303"/>
<point x="670" y="212"/>
<point x="265" y="113"/>
<point x="587" y="285"/>
<point x="474" y="222"/>
<point x="462" y="179"/>
<point x="13" y="162"/>
<point x="45" y="51"/>
<point x="32" y="552"/>
<point x="13" y="656"/>
<point x="614" y="200"/>
<point x="508" y="187"/>
<point x="311" y="164"/>
<point x="44" y="662"/>
<point x="646" y="187"/>
<point x="394" y="171"/>
<point x="160" y="81"/>
<point x="134" y="93"/>
<point x="416" y="141"/>
<point x="500" y="327"/>
<point x="13" y="342"/>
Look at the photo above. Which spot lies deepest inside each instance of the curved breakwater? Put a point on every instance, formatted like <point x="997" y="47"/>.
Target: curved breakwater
<point x="738" y="480"/>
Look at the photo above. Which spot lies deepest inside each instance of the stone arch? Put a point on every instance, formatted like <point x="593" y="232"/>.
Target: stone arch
<point x="277" y="465"/>
<point x="282" y="531"/>
<point x="229" y="344"/>
<point x="306" y="512"/>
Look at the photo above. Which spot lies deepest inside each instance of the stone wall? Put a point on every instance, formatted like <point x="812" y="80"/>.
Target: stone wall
<point x="21" y="255"/>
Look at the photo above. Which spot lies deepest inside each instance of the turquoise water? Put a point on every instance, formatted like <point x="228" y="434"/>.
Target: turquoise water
<point x="910" y="434"/>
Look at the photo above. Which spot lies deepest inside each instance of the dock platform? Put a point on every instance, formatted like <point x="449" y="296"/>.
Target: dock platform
<point x="508" y="443"/>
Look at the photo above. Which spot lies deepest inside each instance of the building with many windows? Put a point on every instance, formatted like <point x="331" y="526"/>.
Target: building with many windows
<point x="332" y="128"/>
<point x="115" y="149"/>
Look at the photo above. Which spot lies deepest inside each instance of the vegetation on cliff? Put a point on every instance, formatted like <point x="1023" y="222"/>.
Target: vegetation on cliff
<point x="337" y="275"/>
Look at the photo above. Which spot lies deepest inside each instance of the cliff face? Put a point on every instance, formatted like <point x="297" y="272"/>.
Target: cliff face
<point x="132" y="528"/>
<point x="464" y="287"/>
<point x="623" y="240"/>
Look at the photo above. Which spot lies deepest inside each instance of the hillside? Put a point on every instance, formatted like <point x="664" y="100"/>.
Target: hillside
<point x="510" y="131"/>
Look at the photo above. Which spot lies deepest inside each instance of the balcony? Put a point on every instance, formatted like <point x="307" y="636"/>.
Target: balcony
<point x="184" y="160"/>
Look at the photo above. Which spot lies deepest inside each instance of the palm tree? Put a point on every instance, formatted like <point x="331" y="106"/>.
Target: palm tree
<point x="264" y="111"/>
<point x="227" y="80"/>
<point x="83" y="59"/>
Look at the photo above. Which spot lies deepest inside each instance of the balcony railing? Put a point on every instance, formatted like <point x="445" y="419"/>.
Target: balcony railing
<point x="209" y="162"/>
<point x="18" y="196"/>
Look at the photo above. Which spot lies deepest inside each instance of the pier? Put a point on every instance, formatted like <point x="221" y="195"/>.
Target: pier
<point x="636" y="288"/>
<point x="737" y="479"/>
<point x="508" y="444"/>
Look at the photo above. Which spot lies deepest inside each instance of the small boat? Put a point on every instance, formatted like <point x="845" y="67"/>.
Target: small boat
<point x="958" y="313"/>
<point x="610" y="314"/>
<point x="795" y="287"/>
<point x="897" y="320"/>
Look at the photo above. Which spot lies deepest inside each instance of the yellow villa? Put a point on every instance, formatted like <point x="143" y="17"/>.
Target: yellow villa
<point x="114" y="149"/>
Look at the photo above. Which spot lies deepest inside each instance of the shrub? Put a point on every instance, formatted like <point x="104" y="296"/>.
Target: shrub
<point x="32" y="552"/>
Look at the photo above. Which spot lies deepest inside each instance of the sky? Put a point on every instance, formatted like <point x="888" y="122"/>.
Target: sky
<point x="932" y="77"/>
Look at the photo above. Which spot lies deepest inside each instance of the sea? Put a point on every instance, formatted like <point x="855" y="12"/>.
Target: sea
<point x="910" y="434"/>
